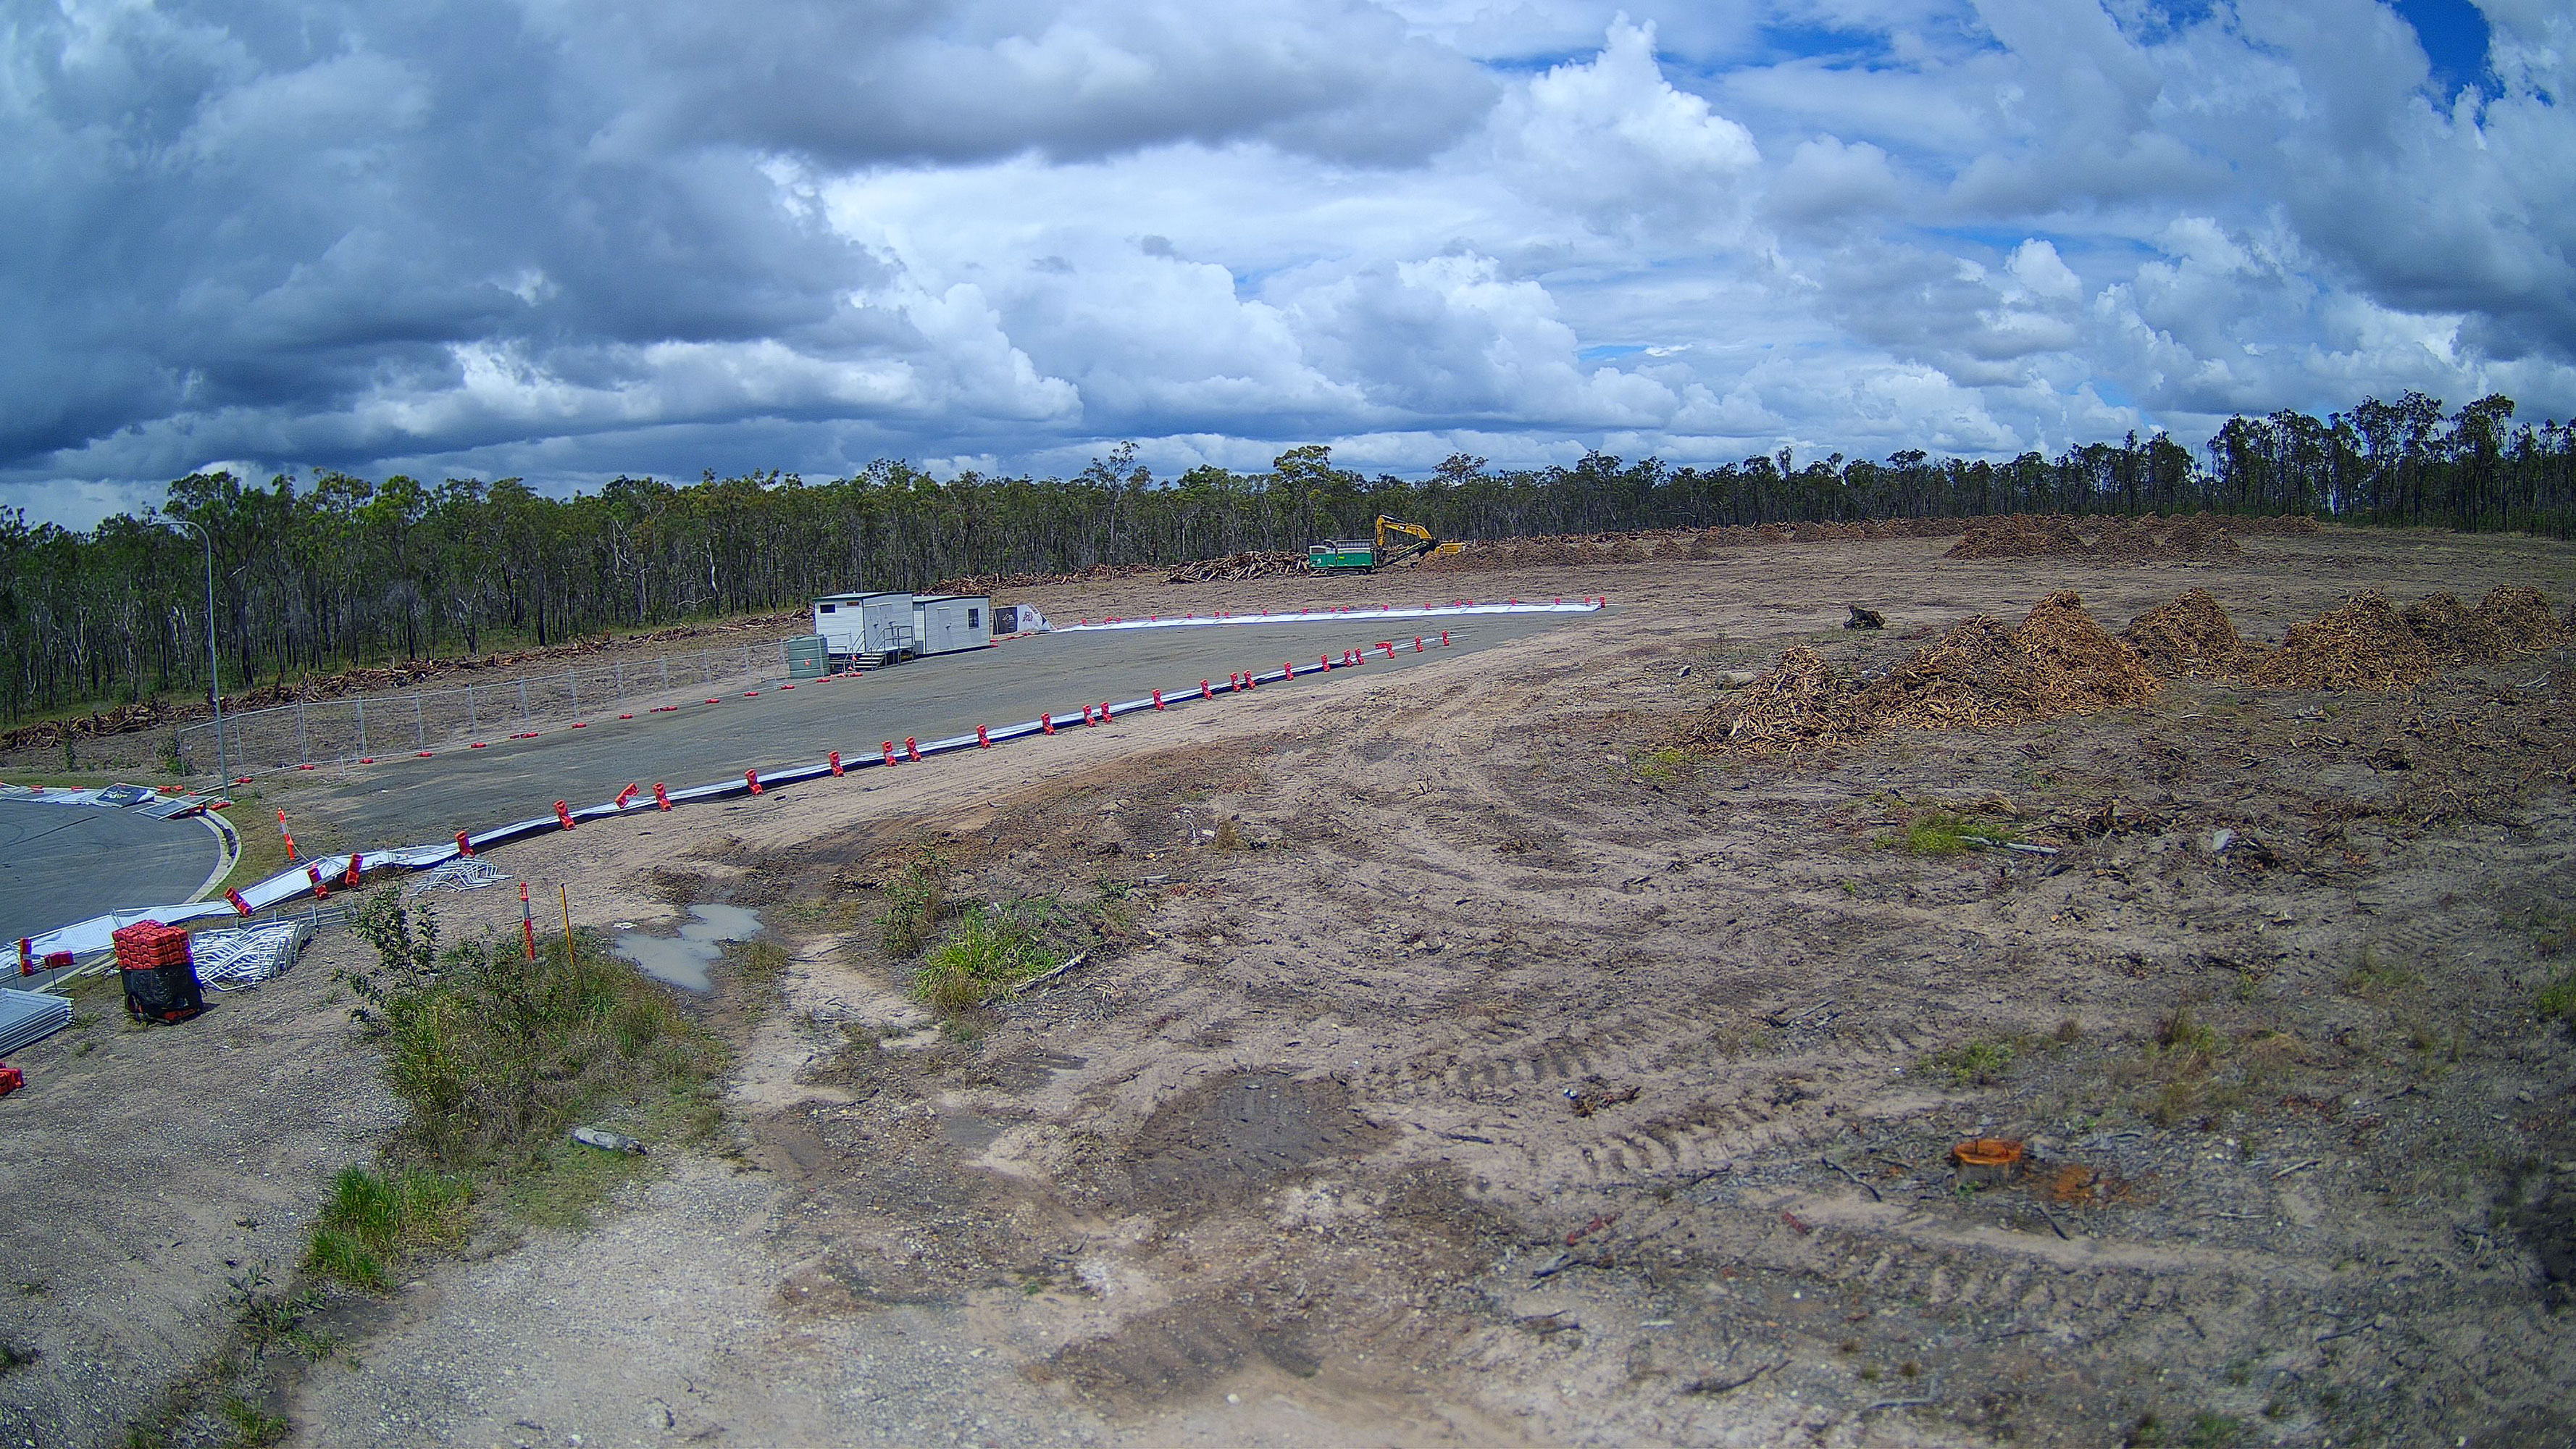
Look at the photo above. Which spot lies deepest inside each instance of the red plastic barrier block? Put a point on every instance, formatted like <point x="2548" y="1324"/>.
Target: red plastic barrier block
<point x="478" y="745"/>
<point x="889" y="750"/>
<point x="563" y="814"/>
<point x="787" y="686"/>
<point x="626" y="716"/>
<point x="661" y="797"/>
<point x="751" y="694"/>
<point x="464" y="847"/>
<point x="983" y="741"/>
<point x="11" y="1079"/>
<point x="836" y="762"/>
<point x="577" y="724"/>
<point x="752" y="778"/>
<point x="911" y="751"/>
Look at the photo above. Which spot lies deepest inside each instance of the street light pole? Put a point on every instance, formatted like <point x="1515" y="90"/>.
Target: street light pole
<point x="214" y="661"/>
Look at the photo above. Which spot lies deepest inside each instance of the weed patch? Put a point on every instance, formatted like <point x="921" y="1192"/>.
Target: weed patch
<point x="1942" y="832"/>
<point x="914" y="900"/>
<point x="2557" y="1001"/>
<point x="991" y="950"/>
<point x="1972" y="1064"/>
<point x="373" y="1222"/>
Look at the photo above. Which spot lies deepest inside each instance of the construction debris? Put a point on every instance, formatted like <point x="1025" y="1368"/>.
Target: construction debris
<point x="27" y="1016"/>
<point x="1865" y="618"/>
<point x="1236" y="567"/>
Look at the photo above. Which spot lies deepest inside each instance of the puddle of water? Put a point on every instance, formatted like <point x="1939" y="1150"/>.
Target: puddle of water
<point x="682" y="960"/>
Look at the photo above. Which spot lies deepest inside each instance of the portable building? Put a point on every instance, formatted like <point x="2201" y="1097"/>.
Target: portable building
<point x="870" y="623"/>
<point x="946" y="623"/>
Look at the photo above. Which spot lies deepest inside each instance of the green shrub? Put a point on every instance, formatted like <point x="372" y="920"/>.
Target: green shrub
<point x="499" y="1056"/>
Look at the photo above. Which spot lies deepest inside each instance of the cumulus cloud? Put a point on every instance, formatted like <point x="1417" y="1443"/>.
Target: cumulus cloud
<point x="565" y="239"/>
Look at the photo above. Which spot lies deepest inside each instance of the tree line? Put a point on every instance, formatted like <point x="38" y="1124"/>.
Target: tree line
<point x="338" y="571"/>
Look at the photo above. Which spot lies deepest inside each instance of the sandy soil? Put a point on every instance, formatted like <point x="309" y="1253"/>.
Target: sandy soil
<point x="1520" y="1082"/>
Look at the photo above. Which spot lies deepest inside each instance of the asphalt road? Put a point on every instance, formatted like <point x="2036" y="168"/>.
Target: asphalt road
<point x="66" y="863"/>
<point x="405" y="801"/>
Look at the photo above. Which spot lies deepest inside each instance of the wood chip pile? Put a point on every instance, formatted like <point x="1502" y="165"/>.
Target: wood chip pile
<point x="1978" y="674"/>
<point x="2448" y="631"/>
<point x="2189" y="636"/>
<point x="2363" y="644"/>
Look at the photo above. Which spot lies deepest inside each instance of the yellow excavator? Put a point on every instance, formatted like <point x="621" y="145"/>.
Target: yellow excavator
<point x="1366" y="555"/>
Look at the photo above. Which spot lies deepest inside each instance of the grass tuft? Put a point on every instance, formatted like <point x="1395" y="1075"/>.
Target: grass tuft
<point x="990" y="951"/>
<point x="373" y="1222"/>
<point x="1942" y="832"/>
<point x="1972" y="1064"/>
<point x="914" y="901"/>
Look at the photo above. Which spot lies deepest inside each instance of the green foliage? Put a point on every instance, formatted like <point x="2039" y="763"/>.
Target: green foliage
<point x="1975" y="1063"/>
<point x="987" y="953"/>
<point x="373" y="1221"/>
<point x="252" y="1426"/>
<point x="914" y="900"/>
<point x="499" y="1056"/>
<point x="1942" y="832"/>
<point x="2557" y="1001"/>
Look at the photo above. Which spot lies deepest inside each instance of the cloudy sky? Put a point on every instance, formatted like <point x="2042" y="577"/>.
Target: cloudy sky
<point x="564" y="239"/>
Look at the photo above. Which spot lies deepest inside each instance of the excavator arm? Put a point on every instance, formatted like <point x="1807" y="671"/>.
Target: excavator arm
<point x="1423" y="543"/>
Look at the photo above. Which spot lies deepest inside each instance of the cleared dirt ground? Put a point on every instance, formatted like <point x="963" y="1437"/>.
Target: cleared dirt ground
<point x="1515" y="1078"/>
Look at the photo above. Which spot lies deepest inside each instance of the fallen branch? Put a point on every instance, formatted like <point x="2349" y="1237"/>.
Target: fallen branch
<point x="1042" y="978"/>
<point x="1856" y="1179"/>
<point x="2013" y="845"/>
<point x="1720" y="1386"/>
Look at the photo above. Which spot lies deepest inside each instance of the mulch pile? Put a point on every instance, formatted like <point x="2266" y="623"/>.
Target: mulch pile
<point x="2448" y="631"/>
<point x="2189" y="636"/>
<point x="1979" y="674"/>
<point x="2363" y="644"/>
<point x="2116" y="539"/>
<point x="2022" y="536"/>
<point x="2520" y="621"/>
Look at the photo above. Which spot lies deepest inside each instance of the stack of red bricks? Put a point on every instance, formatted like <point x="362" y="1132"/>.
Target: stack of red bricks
<point x="150" y="945"/>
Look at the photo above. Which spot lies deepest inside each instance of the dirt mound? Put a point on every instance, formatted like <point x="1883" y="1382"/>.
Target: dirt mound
<point x="2021" y="536"/>
<point x="2363" y="644"/>
<point x="2127" y="538"/>
<point x="2448" y="631"/>
<point x="995" y="583"/>
<point x="1980" y="673"/>
<point x="2520" y="620"/>
<point x="2188" y="636"/>
<point x="1254" y="564"/>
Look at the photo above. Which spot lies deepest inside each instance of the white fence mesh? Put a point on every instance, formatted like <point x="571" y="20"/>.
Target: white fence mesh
<point x="325" y="730"/>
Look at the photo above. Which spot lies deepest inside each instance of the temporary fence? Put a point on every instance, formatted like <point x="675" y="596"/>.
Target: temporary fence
<point x="320" y="877"/>
<point x="325" y="730"/>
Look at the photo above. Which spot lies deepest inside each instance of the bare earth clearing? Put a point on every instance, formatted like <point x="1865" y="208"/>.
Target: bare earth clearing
<point x="1520" y="1079"/>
